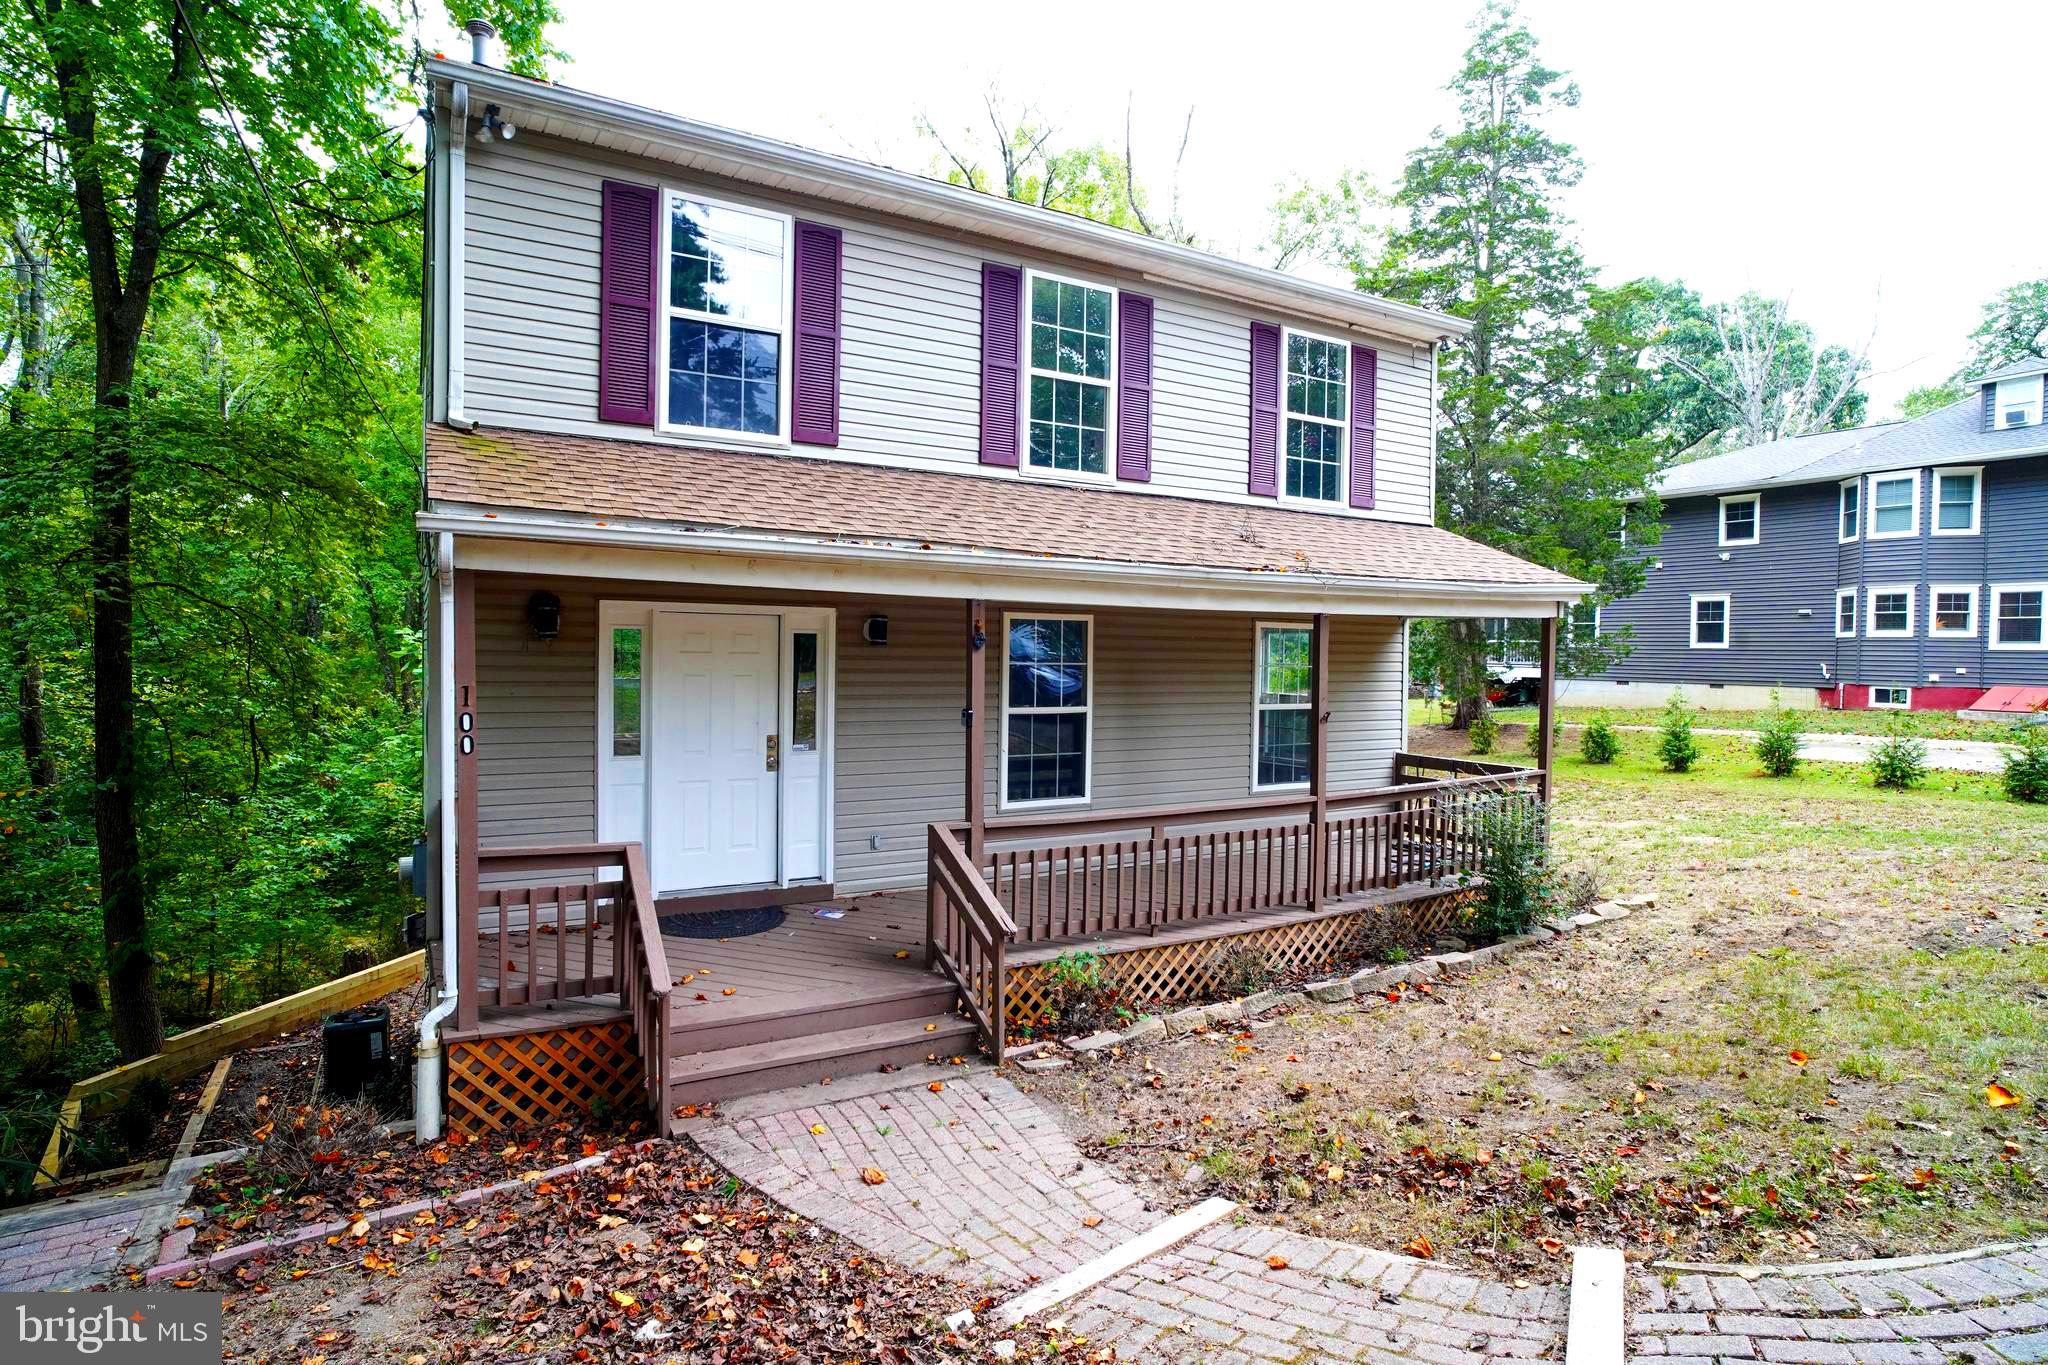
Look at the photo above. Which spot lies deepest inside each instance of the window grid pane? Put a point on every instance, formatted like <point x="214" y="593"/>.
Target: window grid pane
<point x="1046" y="732"/>
<point x="1892" y="505"/>
<point x="1738" y="521"/>
<point x="1849" y="508"/>
<point x="1283" y="746"/>
<point x="1710" y="620"/>
<point x="725" y="378"/>
<point x="1952" y="611"/>
<point x="1069" y="358"/>
<point x="1958" y="510"/>
<point x="1890" y="612"/>
<point x="1845" y="614"/>
<point x="2019" y="618"/>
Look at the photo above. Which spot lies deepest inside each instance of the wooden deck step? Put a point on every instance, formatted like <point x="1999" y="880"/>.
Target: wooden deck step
<point x="750" y="1069"/>
<point x="711" y="1028"/>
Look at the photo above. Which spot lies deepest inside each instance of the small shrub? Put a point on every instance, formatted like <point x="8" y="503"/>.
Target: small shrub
<point x="1777" y="741"/>
<point x="1676" y="747"/>
<point x="1485" y="733"/>
<point x="2026" y="765"/>
<point x="1082" y="995"/>
<point x="1599" y="743"/>
<point x="1243" y="971"/>
<point x="1899" y="761"/>
<point x="1520" y="884"/>
<point x="1535" y="737"/>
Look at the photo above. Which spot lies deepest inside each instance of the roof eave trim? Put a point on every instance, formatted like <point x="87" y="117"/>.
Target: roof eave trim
<point x="1166" y="262"/>
<point x="511" y="524"/>
<point x="1797" y="479"/>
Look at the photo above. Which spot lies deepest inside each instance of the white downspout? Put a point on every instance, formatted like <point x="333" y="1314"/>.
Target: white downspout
<point x="456" y="255"/>
<point x="427" y="1054"/>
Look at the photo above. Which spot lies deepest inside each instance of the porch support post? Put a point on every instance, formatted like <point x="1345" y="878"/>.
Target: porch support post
<point x="976" y="636"/>
<point x="1546" y="698"/>
<point x="1319" y="756"/>
<point x="465" y="797"/>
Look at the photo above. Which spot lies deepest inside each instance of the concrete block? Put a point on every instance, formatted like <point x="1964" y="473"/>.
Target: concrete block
<point x="1043" y="1063"/>
<point x="1331" y="992"/>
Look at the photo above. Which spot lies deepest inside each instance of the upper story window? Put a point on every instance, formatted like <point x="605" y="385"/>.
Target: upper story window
<point x="728" y="318"/>
<point x="1740" y="520"/>
<point x="1069" y="347"/>
<point x="2018" y="402"/>
<point x="1895" y="505"/>
<point x="1850" y="522"/>
<point x="1318" y="390"/>
<point x="1956" y="498"/>
<point x="1710" y="620"/>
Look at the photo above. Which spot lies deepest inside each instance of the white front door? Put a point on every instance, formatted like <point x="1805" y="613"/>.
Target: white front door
<point x="713" y="804"/>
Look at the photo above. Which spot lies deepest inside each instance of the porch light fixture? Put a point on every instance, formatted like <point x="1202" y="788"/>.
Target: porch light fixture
<point x="544" y="615"/>
<point x="875" y="630"/>
<point x="495" y="126"/>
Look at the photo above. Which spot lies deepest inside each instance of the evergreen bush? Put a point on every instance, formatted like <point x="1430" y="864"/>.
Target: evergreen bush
<point x="1899" y="761"/>
<point x="1485" y="732"/>
<point x="2026" y="765"/>
<point x="1676" y="747"/>
<point x="1599" y="743"/>
<point x="1777" y="741"/>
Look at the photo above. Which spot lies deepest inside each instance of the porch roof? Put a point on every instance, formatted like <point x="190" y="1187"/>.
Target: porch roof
<point x="591" y="488"/>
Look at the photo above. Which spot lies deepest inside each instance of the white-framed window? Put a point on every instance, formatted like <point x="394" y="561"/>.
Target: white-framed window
<point x="1316" y="393"/>
<point x="1892" y="698"/>
<point x="1850" y="521"/>
<point x="1895" y="505"/>
<point x="1070" y="375"/>
<point x="628" y="699"/>
<point x="1952" y="611"/>
<point x="2019" y="616"/>
<point x="1283" y="665"/>
<point x="1958" y="496"/>
<point x="725" y="343"/>
<point x="1582" y="622"/>
<point x="1845" y="614"/>
<point x="1742" y="519"/>
<point x="1048" y="712"/>
<point x="2018" y="402"/>
<point x="1890" y="612"/>
<point x="1710" y="620"/>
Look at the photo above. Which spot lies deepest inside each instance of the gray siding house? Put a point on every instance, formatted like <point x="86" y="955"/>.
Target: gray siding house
<point x="1899" y="566"/>
<point x="854" y="590"/>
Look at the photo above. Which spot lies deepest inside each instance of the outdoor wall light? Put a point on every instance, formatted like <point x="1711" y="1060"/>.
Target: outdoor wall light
<point x="495" y="126"/>
<point x="544" y="615"/>
<point x="875" y="630"/>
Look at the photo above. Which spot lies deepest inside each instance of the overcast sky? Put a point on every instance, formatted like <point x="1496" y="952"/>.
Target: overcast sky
<point x="1872" y="161"/>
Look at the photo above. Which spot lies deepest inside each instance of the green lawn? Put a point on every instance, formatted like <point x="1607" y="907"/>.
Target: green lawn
<point x="1925" y="724"/>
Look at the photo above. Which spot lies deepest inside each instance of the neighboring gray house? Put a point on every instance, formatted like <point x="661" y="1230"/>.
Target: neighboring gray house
<point x="1903" y="565"/>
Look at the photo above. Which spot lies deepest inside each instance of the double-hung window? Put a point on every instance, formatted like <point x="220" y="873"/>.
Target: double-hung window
<point x="1741" y="519"/>
<point x="1952" y="611"/>
<point x="1582" y="623"/>
<point x="2018" y="403"/>
<point x="1710" y="613"/>
<point x="1318" y="394"/>
<point x="1280" y="704"/>
<point x="1895" y="505"/>
<point x="728" y="318"/>
<point x="1891" y="612"/>
<point x="1048" y="685"/>
<point x="1845" y="614"/>
<point x="1070" y="347"/>
<point x="1957" y="495"/>
<point x="1851" y="510"/>
<point x="2017" y="616"/>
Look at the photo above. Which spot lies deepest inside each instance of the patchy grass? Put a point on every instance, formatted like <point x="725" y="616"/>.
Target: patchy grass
<point x="1646" y="1087"/>
<point x="1925" y="724"/>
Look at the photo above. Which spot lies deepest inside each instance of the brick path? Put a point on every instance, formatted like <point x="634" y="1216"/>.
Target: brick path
<point x="81" y="1242"/>
<point x="1987" y="1307"/>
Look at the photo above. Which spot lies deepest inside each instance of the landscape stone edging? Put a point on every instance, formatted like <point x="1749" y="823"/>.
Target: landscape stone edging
<point x="1808" y="1269"/>
<point x="390" y="1213"/>
<point x="1336" y="990"/>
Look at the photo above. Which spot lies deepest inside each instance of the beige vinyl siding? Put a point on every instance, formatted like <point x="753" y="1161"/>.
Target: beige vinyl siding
<point x="1173" y="716"/>
<point x="910" y="382"/>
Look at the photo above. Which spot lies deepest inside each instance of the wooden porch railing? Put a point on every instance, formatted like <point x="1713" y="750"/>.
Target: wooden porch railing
<point x="540" y="942"/>
<point x="1045" y="878"/>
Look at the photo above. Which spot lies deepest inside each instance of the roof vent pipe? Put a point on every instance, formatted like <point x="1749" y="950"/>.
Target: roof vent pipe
<point x="480" y="31"/>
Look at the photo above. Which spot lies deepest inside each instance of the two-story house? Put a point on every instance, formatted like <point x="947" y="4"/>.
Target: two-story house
<point x="1898" y="566"/>
<point x="854" y="590"/>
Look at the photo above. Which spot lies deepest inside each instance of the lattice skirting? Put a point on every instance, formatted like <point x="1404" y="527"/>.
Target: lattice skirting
<point x="523" y="1079"/>
<point x="1175" y="973"/>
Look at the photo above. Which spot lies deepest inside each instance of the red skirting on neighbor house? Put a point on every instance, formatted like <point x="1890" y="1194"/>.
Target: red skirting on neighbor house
<point x="1856" y="697"/>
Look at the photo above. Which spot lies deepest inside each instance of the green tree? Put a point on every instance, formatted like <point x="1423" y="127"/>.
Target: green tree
<point x="2014" y="326"/>
<point x="1929" y="398"/>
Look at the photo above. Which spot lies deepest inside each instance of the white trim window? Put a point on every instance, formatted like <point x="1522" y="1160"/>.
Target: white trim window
<point x="1070" y="376"/>
<point x="1952" y="611"/>
<point x="1317" y="391"/>
<point x="2019" y="616"/>
<point x="1048" y="709"/>
<point x="1281" y="744"/>
<point x="1890" y="613"/>
<point x="1712" y="614"/>
<point x="1891" y="698"/>
<point x="1845" y="614"/>
<point x="1895" y="505"/>
<point x="1958" y="499"/>
<point x="725" y="348"/>
<point x="2018" y="402"/>
<point x="1742" y="518"/>
<point x="1849" y="516"/>
<point x="1582" y="622"/>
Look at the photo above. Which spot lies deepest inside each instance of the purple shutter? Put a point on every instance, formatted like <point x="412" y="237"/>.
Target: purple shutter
<point x="814" y="372"/>
<point x="1134" y="388"/>
<point x="627" y="309"/>
<point x="1002" y="362"/>
<point x="1365" y="374"/>
<point x="1990" y="407"/>
<point x="1265" y="447"/>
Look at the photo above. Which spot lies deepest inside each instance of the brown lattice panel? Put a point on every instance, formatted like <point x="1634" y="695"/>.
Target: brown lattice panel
<point x="1172" y="973"/>
<point x="519" y="1080"/>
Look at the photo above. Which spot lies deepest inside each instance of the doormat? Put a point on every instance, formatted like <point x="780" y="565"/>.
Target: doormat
<point x="723" y="923"/>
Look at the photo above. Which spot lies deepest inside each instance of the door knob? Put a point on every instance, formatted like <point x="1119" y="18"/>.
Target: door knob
<point x="774" y="752"/>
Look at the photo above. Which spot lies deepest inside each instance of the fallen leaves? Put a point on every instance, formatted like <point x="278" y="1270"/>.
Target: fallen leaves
<point x="1998" y="1097"/>
<point x="1276" y="1262"/>
<point x="1420" y="1247"/>
<point x="869" y="1175"/>
<point x="1796" y="1057"/>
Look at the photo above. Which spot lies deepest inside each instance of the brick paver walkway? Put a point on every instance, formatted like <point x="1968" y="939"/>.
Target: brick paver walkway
<point x="1989" y="1307"/>
<point x="81" y="1242"/>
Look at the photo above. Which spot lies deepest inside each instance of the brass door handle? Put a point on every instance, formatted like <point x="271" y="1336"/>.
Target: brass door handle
<point x="774" y="752"/>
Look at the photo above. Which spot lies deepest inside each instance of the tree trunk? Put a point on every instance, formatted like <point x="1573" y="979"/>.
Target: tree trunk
<point x="1465" y="670"/>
